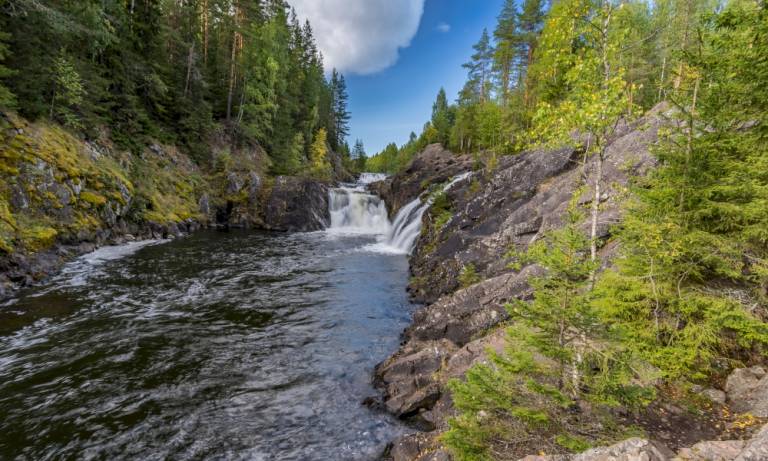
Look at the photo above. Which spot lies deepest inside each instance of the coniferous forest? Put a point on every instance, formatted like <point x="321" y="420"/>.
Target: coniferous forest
<point x="174" y="72"/>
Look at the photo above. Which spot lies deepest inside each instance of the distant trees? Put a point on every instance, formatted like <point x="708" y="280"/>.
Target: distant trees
<point x="530" y="62"/>
<point x="173" y="71"/>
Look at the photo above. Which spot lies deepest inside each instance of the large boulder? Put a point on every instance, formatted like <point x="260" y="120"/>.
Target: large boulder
<point x="716" y="450"/>
<point x="757" y="448"/>
<point x="297" y="204"/>
<point x="747" y="391"/>
<point x="634" y="449"/>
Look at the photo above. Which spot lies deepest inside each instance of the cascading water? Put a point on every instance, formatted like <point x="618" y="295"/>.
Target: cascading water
<point x="401" y="235"/>
<point x="353" y="210"/>
<point x="407" y="226"/>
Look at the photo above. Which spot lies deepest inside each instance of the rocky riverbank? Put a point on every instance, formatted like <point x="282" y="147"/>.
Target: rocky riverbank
<point x="460" y="270"/>
<point x="61" y="196"/>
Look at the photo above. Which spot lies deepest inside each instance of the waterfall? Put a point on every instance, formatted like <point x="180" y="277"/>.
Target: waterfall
<point x="354" y="210"/>
<point x="407" y="226"/>
<point x="368" y="178"/>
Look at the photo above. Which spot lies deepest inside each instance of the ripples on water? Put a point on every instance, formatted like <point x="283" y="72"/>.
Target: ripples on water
<point x="227" y="346"/>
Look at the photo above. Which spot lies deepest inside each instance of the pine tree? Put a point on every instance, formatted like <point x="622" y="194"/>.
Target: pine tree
<point x="480" y="66"/>
<point x="359" y="149"/>
<point x="557" y="354"/>
<point x="531" y="21"/>
<point x="698" y="223"/>
<point x="505" y="58"/>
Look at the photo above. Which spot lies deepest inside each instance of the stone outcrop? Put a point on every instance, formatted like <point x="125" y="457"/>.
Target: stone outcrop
<point x="297" y="204"/>
<point x="495" y="212"/>
<point x="60" y="196"/>
<point x="746" y="391"/>
<point x="434" y="165"/>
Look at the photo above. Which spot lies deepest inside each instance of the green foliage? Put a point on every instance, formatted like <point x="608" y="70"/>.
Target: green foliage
<point x="695" y="229"/>
<point x="7" y="98"/>
<point x="68" y="93"/>
<point x="572" y="443"/>
<point x="319" y="164"/>
<point x="558" y="352"/>
<point x="468" y="276"/>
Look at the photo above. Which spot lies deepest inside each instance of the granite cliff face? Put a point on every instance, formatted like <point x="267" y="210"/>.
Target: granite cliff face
<point x="500" y="209"/>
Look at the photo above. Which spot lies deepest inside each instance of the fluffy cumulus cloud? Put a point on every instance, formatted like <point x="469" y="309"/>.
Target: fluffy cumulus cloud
<point x="361" y="36"/>
<point x="444" y="27"/>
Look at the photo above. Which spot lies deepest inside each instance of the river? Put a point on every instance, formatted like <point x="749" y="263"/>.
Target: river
<point x="238" y="345"/>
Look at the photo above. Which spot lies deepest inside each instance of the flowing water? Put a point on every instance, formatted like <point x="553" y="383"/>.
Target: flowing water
<point x="240" y="345"/>
<point x="400" y="236"/>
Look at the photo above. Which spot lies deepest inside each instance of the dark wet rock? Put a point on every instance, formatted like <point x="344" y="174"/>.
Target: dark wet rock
<point x="434" y="165"/>
<point x="408" y="377"/>
<point x="416" y="447"/>
<point x="297" y="204"/>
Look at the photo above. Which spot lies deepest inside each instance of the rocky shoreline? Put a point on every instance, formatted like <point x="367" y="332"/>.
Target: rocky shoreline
<point x="61" y="196"/>
<point x="293" y="204"/>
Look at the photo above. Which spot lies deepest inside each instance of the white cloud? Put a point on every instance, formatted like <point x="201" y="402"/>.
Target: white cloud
<point x="443" y="27"/>
<point x="361" y="36"/>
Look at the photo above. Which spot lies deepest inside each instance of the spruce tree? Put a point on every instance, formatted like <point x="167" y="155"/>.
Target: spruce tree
<point x="441" y="118"/>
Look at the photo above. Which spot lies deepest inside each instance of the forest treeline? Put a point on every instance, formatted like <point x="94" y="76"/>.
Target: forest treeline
<point x="175" y="71"/>
<point x="684" y="301"/>
<point x="528" y="62"/>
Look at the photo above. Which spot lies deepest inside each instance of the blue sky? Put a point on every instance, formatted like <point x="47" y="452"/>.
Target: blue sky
<point x="393" y="75"/>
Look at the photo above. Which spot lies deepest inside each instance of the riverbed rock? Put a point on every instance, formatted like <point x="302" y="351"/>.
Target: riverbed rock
<point x="297" y="204"/>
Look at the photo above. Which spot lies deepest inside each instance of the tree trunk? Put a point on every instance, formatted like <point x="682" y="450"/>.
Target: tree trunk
<point x="205" y="32"/>
<point x="661" y="80"/>
<point x="233" y="64"/>
<point x="596" y="208"/>
<point x="190" y="61"/>
<point x="689" y="140"/>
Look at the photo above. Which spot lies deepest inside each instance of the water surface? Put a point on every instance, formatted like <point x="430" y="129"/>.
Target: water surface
<point x="242" y="345"/>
